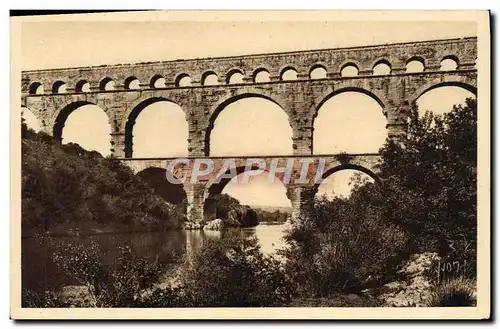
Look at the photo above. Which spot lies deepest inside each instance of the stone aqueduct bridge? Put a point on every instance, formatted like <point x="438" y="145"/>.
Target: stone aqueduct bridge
<point x="123" y="91"/>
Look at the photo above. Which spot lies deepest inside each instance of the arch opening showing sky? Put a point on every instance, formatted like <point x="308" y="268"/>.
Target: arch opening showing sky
<point x="251" y="126"/>
<point x="30" y="119"/>
<point x="210" y="79"/>
<point x="340" y="183"/>
<point x="88" y="126"/>
<point x="350" y="122"/>
<point x="259" y="191"/>
<point x="441" y="100"/>
<point x="262" y="76"/>
<point x="160" y="130"/>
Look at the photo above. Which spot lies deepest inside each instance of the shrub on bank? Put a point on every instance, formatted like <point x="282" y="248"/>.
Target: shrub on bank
<point x="343" y="247"/>
<point x="231" y="272"/>
<point x="120" y="284"/>
<point x="430" y="183"/>
<point x="33" y="299"/>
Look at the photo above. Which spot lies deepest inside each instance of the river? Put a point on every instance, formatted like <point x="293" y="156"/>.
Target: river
<point x="39" y="273"/>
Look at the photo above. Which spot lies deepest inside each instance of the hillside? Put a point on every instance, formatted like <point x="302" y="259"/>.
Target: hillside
<point x="287" y="210"/>
<point x="65" y="187"/>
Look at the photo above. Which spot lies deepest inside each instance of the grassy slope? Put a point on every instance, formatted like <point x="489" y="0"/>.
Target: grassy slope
<point x="66" y="188"/>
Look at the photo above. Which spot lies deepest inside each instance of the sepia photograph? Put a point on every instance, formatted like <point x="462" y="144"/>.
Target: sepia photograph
<point x="250" y="165"/>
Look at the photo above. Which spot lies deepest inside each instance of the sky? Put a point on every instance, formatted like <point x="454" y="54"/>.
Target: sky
<point x="56" y="44"/>
<point x="161" y="129"/>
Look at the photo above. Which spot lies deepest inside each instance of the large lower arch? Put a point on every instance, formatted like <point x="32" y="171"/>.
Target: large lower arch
<point x="89" y="133"/>
<point x="63" y="116"/>
<point x="256" y="118"/>
<point x="346" y="88"/>
<point x="349" y="120"/>
<point x="343" y="168"/>
<point x="257" y="189"/>
<point x="441" y="97"/>
<point x="178" y="123"/>
<point x="466" y="83"/>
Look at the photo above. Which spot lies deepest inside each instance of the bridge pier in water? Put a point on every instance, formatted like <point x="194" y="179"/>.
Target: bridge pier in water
<point x="299" y="197"/>
<point x="195" y="201"/>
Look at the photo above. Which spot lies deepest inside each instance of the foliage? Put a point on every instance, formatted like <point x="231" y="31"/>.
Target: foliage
<point x="430" y="183"/>
<point x="117" y="285"/>
<point x="276" y="216"/>
<point x="455" y="292"/>
<point x="34" y="299"/>
<point x="427" y="203"/>
<point x="345" y="246"/>
<point x="67" y="186"/>
<point x="230" y="211"/>
<point x="231" y="272"/>
<point x="172" y="193"/>
<point x="220" y="205"/>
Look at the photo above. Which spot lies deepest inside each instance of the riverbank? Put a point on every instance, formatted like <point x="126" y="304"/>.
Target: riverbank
<point x="89" y="229"/>
<point x="39" y="271"/>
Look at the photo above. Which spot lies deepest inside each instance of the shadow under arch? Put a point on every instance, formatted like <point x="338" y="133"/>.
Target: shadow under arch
<point x="155" y="178"/>
<point x="64" y="114"/>
<point x="348" y="166"/>
<point x="132" y="117"/>
<point x="228" y="101"/>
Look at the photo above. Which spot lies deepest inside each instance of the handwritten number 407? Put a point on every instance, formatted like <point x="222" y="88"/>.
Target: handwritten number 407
<point x="450" y="268"/>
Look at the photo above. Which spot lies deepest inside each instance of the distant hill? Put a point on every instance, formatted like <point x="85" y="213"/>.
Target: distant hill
<point x="287" y="210"/>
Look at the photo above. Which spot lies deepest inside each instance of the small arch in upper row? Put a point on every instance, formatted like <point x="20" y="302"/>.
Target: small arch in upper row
<point x="158" y="81"/>
<point x="415" y="64"/>
<point x="183" y="80"/>
<point x="289" y="73"/>
<point x="382" y="67"/>
<point x="132" y="83"/>
<point x="261" y="75"/>
<point x="349" y="70"/>
<point x="58" y="87"/>
<point x="235" y="76"/>
<point x="318" y="71"/>
<point x="106" y="84"/>
<point x="449" y="63"/>
<point x="209" y="78"/>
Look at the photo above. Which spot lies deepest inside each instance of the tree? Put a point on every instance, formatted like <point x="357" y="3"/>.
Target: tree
<point x="430" y="180"/>
<point x="68" y="187"/>
<point x="427" y="202"/>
